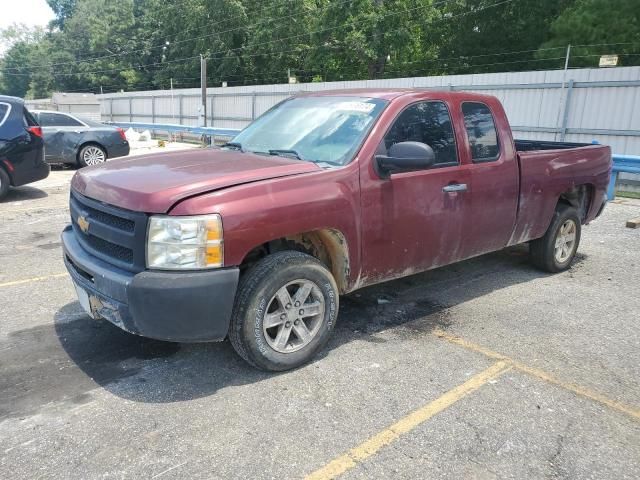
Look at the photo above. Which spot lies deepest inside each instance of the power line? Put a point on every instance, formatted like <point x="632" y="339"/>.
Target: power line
<point x="160" y="65"/>
<point x="178" y="60"/>
<point x="353" y="23"/>
<point x="178" y="42"/>
<point x="400" y="68"/>
<point x="295" y="36"/>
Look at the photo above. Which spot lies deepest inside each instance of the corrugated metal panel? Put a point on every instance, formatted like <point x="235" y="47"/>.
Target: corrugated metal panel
<point x="531" y="99"/>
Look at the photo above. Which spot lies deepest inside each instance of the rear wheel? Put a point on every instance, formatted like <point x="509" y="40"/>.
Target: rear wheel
<point x="90" y="155"/>
<point x="285" y="311"/>
<point x="556" y="250"/>
<point x="5" y="183"/>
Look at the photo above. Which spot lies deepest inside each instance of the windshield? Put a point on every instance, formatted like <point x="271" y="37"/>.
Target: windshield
<point x="317" y="129"/>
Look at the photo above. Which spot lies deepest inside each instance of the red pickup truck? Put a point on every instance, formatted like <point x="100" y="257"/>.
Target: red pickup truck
<point x="323" y="194"/>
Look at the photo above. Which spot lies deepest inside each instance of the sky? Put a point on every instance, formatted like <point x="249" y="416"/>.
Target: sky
<point x="29" y="12"/>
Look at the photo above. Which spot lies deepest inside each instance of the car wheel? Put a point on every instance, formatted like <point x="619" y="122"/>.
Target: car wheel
<point x="90" y="155"/>
<point x="5" y="183"/>
<point x="556" y="250"/>
<point x="285" y="310"/>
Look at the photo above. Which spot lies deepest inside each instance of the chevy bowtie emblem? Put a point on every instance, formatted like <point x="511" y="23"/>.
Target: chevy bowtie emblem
<point x="83" y="223"/>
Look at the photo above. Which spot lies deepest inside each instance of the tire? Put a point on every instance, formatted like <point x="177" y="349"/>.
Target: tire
<point x="5" y="183"/>
<point x="564" y="225"/>
<point x="90" y="155"/>
<point x="260" y="298"/>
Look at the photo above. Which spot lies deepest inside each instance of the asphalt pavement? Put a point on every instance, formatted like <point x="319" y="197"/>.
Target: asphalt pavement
<point x="486" y="369"/>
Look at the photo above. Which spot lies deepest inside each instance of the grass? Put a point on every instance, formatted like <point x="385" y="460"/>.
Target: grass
<point x="628" y="194"/>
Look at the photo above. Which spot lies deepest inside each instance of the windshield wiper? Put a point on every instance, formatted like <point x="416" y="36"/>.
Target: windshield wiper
<point x="234" y="145"/>
<point x="281" y="152"/>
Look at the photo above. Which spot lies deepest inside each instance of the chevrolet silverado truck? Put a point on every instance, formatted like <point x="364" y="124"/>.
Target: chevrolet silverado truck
<point x="323" y="194"/>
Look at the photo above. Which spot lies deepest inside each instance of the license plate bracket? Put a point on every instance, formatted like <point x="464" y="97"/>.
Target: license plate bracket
<point x="83" y="299"/>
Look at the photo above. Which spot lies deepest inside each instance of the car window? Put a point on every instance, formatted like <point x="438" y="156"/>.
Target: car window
<point x="426" y="122"/>
<point x="481" y="131"/>
<point x="323" y="129"/>
<point x="5" y="108"/>
<point x="28" y="119"/>
<point x="57" y="120"/>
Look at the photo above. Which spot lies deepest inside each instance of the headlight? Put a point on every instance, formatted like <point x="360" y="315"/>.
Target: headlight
<point x="184" y="243"/>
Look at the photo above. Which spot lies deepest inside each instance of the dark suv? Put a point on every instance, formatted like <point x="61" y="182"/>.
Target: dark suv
<point x="21" y="146"/>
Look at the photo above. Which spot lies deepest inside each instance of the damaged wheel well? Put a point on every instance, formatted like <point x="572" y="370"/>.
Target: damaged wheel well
<point x="327" y="245"/>
<point x="579" y="197"/>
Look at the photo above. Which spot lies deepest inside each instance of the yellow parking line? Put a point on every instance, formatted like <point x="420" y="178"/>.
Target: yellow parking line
<point x="542" y="375"/>
<point x="369" y="447"/>
<point x="34" y="279"/>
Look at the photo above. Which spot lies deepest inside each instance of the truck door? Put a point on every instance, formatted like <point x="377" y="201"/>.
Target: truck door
<point x="494" y="177"/>
<point x="414" y="221"/>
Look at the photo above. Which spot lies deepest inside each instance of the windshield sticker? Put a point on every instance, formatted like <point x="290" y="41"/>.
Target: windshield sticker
<point x="360" y="107"/>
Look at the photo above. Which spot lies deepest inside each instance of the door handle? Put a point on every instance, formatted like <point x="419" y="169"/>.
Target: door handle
<point x="455" y="187"/>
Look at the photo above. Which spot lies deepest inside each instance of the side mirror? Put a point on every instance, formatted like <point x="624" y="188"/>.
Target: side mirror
<point x="405" y="157"/>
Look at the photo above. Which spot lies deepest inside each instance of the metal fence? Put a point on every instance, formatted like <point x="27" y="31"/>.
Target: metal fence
<point x="579" y="105"/>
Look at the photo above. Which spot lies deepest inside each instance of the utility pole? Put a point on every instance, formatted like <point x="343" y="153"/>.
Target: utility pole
<point x="566" y="61"/>
<point x="564" y="81"/>
<point x="203" y="86"/>
<point x="173" y="117"/>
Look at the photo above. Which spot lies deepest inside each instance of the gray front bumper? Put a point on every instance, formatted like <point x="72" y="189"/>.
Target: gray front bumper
<point x="177" y="307"/>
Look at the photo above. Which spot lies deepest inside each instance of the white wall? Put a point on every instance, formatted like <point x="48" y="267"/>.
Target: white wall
<point x="604" y="104"/>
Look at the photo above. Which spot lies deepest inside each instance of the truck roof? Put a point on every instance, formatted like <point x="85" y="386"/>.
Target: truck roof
<point x="391" y="93"/>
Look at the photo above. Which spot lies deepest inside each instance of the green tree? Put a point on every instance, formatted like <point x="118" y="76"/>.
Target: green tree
<point x="23" y="42"/>
<point x="598" y="27"/>
<point x="358" y="39"/>
<point x="176" y="37"/>
<point x="144" y="44"/>
<point x="62" y="9"/>
<point x="279" y="40"/>
<point x="477" y="36"/>
<point x="96" y="41"/>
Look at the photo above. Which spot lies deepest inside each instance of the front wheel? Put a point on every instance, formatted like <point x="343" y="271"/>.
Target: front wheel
<point x="90" y="155"/>
<point x="285" y="311"/>
<point x="556" y="250"/>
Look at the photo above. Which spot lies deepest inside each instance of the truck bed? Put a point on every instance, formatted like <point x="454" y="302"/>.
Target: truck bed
<point x="547" y="169"/>
<point x="536" y="145"/>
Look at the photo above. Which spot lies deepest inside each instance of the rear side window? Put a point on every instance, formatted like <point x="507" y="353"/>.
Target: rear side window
<point x="57" y="120"/>
<point x="426" y="122"/>
<point x="481" y="131"/>
<point x="28" y="119"/>
<point x="5" y="109"/>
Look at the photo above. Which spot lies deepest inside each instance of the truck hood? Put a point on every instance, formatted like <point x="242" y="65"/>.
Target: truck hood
<point x="155" y="183"/>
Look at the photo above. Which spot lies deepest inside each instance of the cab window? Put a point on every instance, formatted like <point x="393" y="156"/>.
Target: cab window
<point x="481" y="131"/>
<point x="430" y="123"/>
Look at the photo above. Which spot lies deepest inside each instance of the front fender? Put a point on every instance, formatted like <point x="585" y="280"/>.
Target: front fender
<point x="256" y="213"/>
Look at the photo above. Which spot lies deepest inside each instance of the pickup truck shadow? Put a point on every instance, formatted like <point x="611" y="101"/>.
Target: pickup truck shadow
<point x="145" y="370"/>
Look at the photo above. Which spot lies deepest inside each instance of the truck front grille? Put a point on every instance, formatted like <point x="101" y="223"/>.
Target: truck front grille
<point x="112" y="234"/>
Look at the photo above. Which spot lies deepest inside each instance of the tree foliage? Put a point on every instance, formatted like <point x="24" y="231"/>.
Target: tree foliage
<point x="94" y="45"/>
<point x="613" y="24"/>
